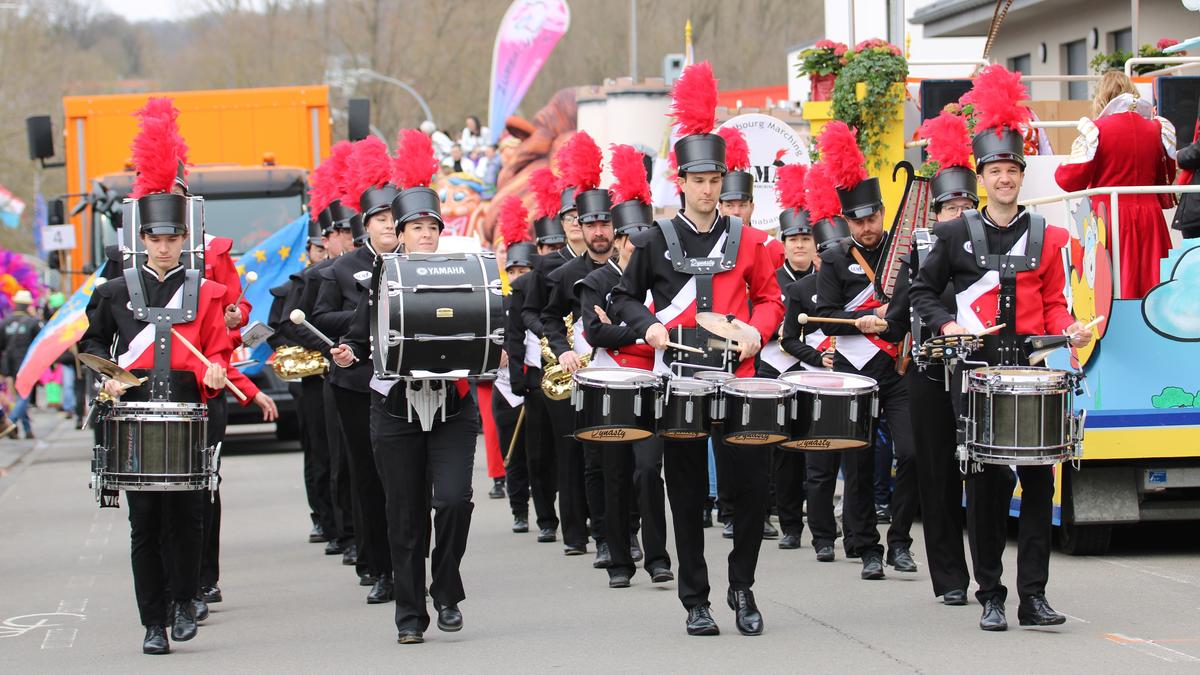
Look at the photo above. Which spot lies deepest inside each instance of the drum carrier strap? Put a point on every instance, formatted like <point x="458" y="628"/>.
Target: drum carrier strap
<point x="163" y="319"/>
<point x="1008" y="266"/>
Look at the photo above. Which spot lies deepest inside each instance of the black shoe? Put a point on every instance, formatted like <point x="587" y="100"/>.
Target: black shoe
<point x="708" y="519"/>
<point x="1035" y="611"/>
<point x="789" y="541"/>
<point x="902" y="560"/>
<point x="955" y="597"/>
<point x="603" y="556"/>
<point x="520" y="524"/>
<point x="317" y="535"/>
<point x="497" y="491"/>
<point x="350" y="555"/>
<point x="201" y="608"/>
<point x="334" y="547"/>
<point x="450" y="619"/>
<point x="618" y="580"/>
<point x="993" y="616"/>
<point x="728" y="531"/>
<point x="749" y="620"/>
<point x="700" y="621"/>
<point x="183" y="627"/>
<point x="769" y="531"/>
<point x="211" y="595"/>
<point x="581" y="549"/>
<point x="825" y="554"/>
<point x="635" y="549"/>
<point x="155" y="641"/>
<point x="547" y="536"/>
<point x="29" y="434"/>
<point x="872" y="567"/>
<point x="661" y="575"/>
<point x="381" y="592"/>
<point x="883" y="513"/>
<point x="365" y="579"/>
<point x="410" y="636"/>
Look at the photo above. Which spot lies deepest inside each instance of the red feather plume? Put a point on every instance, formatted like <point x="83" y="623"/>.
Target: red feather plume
<point x="158" y="148"/>
<point x="949" y="141"/>
<point x="629" y="170"/>
<point x="369" y="167"/>
<point x="545" y="191"/>
<point x="737" y="151"/>
<point x="514" y="221"/>
<point x="789" y="184"/>
<point x="339" y="166"/>
<point x="694" y="100"/>
<point x="673" y="167"/>
<point x="318" y="196"/>
<point x="820" y="196"/>
<point x="996" y="97"/>
<point x="844" y="162"/>
<point x="578" y="163"/>
<point x="414" y="164"/>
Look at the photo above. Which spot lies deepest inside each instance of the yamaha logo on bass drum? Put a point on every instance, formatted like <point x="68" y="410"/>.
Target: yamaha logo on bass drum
<point x="441" y="269"/>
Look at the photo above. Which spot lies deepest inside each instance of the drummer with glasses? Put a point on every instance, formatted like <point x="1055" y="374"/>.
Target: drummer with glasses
<point x="1004" y="265"/>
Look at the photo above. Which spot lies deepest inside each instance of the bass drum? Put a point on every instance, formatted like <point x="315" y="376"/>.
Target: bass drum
<point x="834" y="411"/>
<point x="436" y="314"/>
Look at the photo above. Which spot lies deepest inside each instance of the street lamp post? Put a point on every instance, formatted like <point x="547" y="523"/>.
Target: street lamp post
<point x="371" y="74"/>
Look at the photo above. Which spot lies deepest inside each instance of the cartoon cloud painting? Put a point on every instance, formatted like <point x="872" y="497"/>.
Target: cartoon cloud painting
<point x="1172" y="308"/>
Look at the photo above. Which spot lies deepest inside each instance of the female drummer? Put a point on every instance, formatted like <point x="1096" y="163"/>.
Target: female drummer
<point x="420" y="469"/>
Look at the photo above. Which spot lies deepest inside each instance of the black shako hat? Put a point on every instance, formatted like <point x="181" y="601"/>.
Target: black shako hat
<point x="700" y="153"/>
<point x="314" y="232"/>
<point x="631" y="216"/>
<point x="417" y="202"/>
<point x="162" y="213"/>
<point x="340" y="216"/>
<point x="521" y="253"/>
<point x="954" y="182"/>
<point x="861" y="200"/>
<point x="829" y="231"/>
<point x="593" y="205"/>
<point x="737" y="185"/>
<point x="566" y="201"/>
<point x="793" y="222"/>
<point x="375" y="199"/>
<point x="325" y="219"/>
<point x="548" y="230"/>
<point x="987" y="146"/>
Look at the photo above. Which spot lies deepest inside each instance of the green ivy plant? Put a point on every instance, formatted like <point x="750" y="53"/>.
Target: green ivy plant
<point x="880" y="65"/>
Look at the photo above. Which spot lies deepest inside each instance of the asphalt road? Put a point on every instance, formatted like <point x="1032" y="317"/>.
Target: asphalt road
<point x="66" y="598"/>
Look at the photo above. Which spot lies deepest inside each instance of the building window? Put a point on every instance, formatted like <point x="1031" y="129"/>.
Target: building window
<point x="1075" y="61"/>
<point x="1021" y="64"/>
<point x="1121" y="40"/>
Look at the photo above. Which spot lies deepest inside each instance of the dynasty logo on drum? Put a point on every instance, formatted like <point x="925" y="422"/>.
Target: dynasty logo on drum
<point x="607" y="435"/>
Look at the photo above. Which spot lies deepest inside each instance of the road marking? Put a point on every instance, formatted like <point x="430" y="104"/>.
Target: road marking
<point x="98" y="542"/>
<point x="1136" y="567"/>
<point x="1074" y="618"/>
<point x="1152" y="648"/>
<point x="81" y="581"/>
<point x="90" y="560"/>
<point x="72" y="606"/>
<point x="60" y="638"/>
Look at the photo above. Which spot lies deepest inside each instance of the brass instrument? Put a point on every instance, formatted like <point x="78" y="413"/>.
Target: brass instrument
<point x="557" y="382"/>
<point x="294" y="362"/>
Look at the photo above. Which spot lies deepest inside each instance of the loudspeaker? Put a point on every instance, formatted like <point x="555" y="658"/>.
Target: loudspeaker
<point x="935" y="94"/>
<point x="40" y="135"/>
<point x="56" y="212"/>
<point x="1177" y="101"/>
<point x="359" y="110"/>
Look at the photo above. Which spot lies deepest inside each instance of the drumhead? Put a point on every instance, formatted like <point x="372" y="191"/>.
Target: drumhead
<point x="757" y="387"/>
<point x="124" y="410"/>
<point x="717" y="376"/>
<point x="690" y="387"/>
<point x="615" y="378"/>
<point x="828" y="382"/>
<point x="1019" y="375"/>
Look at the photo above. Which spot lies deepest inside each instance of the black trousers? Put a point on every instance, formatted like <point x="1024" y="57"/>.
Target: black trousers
<point x="725" y="502"/>
<point x="790" y="474"/>
<point x="516" y="470"/>
<point x="541" y="452"/>
<point x="650" y="502"/>
<point x="340" y="494"/>
<point x="422" y="470"/>
<point x="315" y="444"/>
<point x="572" y="492"/>
<point x="941" y="482"/>
<point x="623" y="462"/>
<point x="210" y="550"/>
<point x="989" y="495"/>
<point x="370" y="525"/>
<point x="822" y="472"/>
<point x="165" y="541"/>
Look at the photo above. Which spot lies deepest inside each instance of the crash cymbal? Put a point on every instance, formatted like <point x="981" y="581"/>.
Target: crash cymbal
<point x="724" y="326"/>
<point x="109" y="369"/>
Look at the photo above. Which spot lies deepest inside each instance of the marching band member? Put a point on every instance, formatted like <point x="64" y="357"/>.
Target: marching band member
<point x="632" y="471"/>
<point x="419" y="469"/>
<point x="1004" y="265"/>
<point x="676" y="263"/>
<point x="341" y="291"/>
<point x="845" y="290"/>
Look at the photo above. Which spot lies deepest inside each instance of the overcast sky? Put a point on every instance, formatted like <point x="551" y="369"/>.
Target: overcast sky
<point x="141" y="10"/>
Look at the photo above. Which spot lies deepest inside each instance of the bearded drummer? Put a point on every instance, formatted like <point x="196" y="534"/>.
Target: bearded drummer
<point x="1004" y="265"/>
<point x="703" y="261"/>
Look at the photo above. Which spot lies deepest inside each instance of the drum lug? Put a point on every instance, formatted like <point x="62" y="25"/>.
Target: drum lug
<point x="637" y="404"/>
<point x="795" y="407"/>
<point x="963" y="459"/>
<point x="854" y="410"/>
<point x="816" y="409"/>
<point x="875" y="406"/>
<point x="780" y="414"/>
<point x="688" y="411"/>
<point x="745" y="414"/>
<point x="658" y="408"/>
<point x="605" y="404"/>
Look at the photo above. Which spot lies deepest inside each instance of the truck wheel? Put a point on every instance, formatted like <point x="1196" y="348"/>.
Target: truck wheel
<point x="287" y="428"/>
<point x="1080" y="539"/>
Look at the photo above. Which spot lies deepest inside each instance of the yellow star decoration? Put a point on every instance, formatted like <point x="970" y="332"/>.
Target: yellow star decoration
<point x="241" y="270"/>
<point x="74" y="330"/>
<point x="284" y="251"/>
<point x="260" y="255"/>
<point x="304" y="258"/>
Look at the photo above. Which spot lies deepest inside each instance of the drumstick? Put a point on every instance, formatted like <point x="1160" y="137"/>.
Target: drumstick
<point x="1092" y="324"/>
<point x="251" y="277"/>
<point x="804" y="318"/>
<point x="298" y="318"/>
<point x="204" y="359"/>
<point x="676" y="345"/>
<point x="994" y="329"/>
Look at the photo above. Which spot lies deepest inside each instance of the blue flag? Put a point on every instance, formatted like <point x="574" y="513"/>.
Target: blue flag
<point x="274" y="260"/>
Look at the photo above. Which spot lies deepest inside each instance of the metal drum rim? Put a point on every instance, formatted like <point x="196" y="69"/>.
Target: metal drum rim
<point x="637" y="378"/>
<point x="794" y="378"/>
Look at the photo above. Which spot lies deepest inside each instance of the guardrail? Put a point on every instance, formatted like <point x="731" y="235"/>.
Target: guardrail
<point x="1138" y="60"/>
<point x="1114" y="212"/>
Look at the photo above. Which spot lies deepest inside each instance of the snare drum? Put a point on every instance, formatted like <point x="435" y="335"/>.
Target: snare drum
<point x="757" y="411"/>
<point x="1021" y="415"/>
<point x="614" y="405"/>
<point x="834" y="411"/>
<point x="154" y="446"/>
<point x="686" y="410"/>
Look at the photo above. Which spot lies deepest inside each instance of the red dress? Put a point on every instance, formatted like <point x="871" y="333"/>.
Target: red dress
<point x="1125" y="148"/>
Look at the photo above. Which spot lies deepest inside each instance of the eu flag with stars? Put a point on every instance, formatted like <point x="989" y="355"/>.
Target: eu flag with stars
<point x="274" y="260"/>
